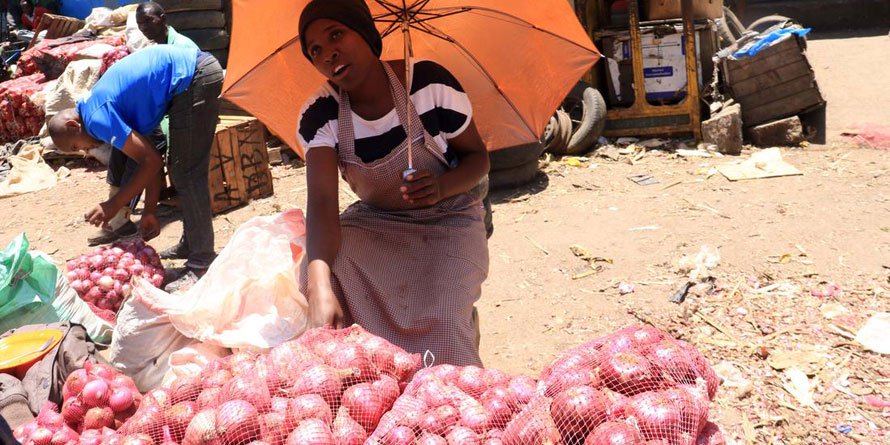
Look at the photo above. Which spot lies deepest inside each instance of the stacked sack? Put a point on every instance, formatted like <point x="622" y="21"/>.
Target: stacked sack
<point x="328" y="386"/>
<point x="636" y="386"/>
<point x="20" y="116"/>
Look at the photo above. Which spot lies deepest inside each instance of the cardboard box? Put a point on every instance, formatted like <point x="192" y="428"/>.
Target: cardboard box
<point x="239" y="163"/>
<point x="671" y="9"/>
<point x="664" y="63"/>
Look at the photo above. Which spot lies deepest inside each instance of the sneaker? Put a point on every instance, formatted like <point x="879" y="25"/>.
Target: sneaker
<point x="182" y="279"/>
<point x="106" y="236"/>
<point x="177" y="252"/>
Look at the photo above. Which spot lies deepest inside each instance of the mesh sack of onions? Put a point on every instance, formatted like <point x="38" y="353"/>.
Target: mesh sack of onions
<point x="637" y="386"/>
<point x="97" y="399"/>
<point x="102" y="277"/>
<point x="327" y="386"/>
<point x="454" y="405"/>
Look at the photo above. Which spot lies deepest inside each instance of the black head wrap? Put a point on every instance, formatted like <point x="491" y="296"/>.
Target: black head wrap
<point x="352" y="13"/>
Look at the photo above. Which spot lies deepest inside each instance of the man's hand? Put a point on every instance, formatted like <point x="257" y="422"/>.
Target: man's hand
<point x="325" y="310"/>
<point x="149" y="227"/>
<point x="421" y="187"/>
<point x="101" y="214"/>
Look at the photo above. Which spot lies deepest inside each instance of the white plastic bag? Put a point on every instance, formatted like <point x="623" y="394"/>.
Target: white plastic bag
<point x="250" y="297"/>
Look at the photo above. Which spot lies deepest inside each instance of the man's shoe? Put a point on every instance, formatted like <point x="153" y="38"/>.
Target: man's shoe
<point x="182" y="279"/>
<point x="177" y="252"/>
<point x="109" y="236"/>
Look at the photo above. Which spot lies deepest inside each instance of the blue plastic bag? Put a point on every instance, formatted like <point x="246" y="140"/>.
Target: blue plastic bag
<point x="767" y="40"/>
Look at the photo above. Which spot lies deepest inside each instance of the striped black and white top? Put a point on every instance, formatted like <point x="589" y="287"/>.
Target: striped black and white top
<point x="438" y="97"/>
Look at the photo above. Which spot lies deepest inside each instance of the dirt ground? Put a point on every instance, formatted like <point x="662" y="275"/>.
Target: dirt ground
<point x="779" y="240"/>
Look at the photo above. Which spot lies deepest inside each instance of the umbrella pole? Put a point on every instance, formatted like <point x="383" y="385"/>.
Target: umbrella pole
<point x="406" y="34"/>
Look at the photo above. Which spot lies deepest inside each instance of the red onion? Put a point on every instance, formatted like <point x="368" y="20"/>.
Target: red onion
<point x="496" y="377"/>
<point x="158" y="397"/>
<point x="186" y="389"/>
<point x="448" y="373"/>
<point x="49" y="416"/>
<point x="460" y="435"/>
<point x="365" y="405"/>
<point x="42" y="436"/>
<point x="148" y="419"/>
<point x="91" y="437"/>
<point x="98" y="417"/>
<point x="427" y="438"/>
<point x="249" y="389"/>
<point x="202" y="429"/>
<point x="474" y="416"/>
<point x="274" y="427"/>
<point x="628" y="373"/>
<point x="614" y="433"/>
<point x="400" y="435"/>
<point x="471" y="380"/>
<point x="93" y="294"/>
<point x="656" y="415"/>
<point x="105" y="372"/>
<point x="121" y="380"/>
<point x="533" y="426"/>
<point x="237" y="421"/>
<point x="216" y="379"/>
<point x="578" y="410"/>
<point x="346" y="430"/>
<point x="499" y="411"/>
<point x="311" y="432"/>
<point x="121" y="399"/>
<point x="409" y="410"/>
<point x="405" y="364"/>
<point x="65" y="436"/>
<point x="106" y="282"/>
<point x="388" y="388"/>
<point x="522" y="388"/>
<point x="95" y="393"/>
<point x="438" y="420"/>
<point x="179" y="416"/>
<point x="73" y="411"/>
<point x="692" y="404"/>
<point x="562" y="380"/>
<point x="646" y="335"/>
<point x="309" y="406"/>
<point x="710" y="435"/>
<point x="432" y="391"/>
<point x="353" y="357"/>
<point x="241" y="363"/>
<point x="319" y="379"/>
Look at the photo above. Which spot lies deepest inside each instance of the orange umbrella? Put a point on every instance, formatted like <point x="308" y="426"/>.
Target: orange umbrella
<point x="516" y="59"/>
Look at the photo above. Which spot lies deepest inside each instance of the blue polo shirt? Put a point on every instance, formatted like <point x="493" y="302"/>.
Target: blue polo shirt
<point x="135" y="93"/>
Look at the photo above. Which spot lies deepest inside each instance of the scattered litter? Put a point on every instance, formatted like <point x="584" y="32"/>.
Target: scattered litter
<point x="809" y="362"/>
<point x="733" y="377"/>
<point x="699" y="266"/>
<point x="798" y="385"/>
<point x="875" y="332"/>
<point x="574" y="161"/>
<point x="626" y="141"/>
<point x="875" y="402"/>
<point x="763" y="164"/>
<point x="827" y="290"/>
<point x="832" y="310"/>
<point x="870" y="135"/>
<point x="652" y="143"/>
<point x="680" y="295"/>
<point x="844" y="428"/>
<point x="643" y="228"/>
<point x="687" y="153"/>
<point x="644" y="179"/>
<point x="626" y="288"/>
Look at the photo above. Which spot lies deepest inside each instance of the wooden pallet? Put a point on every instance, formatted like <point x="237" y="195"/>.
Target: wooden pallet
<point x="57" y="26"/>
<point x="239" y="163"/>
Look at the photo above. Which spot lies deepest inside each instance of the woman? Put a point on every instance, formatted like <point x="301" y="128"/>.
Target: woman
<point x="408" y="260"/>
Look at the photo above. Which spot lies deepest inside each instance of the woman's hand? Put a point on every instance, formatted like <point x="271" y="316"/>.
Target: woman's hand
<point x="325" y="310"/>
<point x="422" y="187"/>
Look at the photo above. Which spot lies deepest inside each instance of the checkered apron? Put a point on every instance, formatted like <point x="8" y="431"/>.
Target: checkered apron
<point x="409" y="275"/>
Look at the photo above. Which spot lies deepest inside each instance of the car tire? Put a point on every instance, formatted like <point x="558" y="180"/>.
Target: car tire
<point x="515" y="156"/>
<point x="592" y="123"/>
<point x="513" y="177"/>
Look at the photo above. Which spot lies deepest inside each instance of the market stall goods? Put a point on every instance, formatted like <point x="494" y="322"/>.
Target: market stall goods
<point x="102" y="277"/>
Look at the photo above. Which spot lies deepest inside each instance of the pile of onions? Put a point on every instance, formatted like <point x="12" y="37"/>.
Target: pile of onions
<point x="48" y="428"/>
<point x="102" y="277"/>
<point x="635" y="386"/>
<point x="328" y="386"/>
<point x="451" y="404"/>
<point x="98" y="397"/>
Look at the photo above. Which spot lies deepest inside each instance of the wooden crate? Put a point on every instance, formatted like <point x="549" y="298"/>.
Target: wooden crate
<point x="776" y="83"/>
<point x="239" y="163"/>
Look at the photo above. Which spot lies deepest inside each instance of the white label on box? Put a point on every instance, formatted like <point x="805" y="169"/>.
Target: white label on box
<point x="664" y="65"/>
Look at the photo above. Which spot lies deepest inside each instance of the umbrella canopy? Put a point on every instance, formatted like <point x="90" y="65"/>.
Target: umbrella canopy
<point x="516" y="59"/>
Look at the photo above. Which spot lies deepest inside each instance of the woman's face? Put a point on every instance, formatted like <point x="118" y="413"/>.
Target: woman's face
<point x="339" y="53"/>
